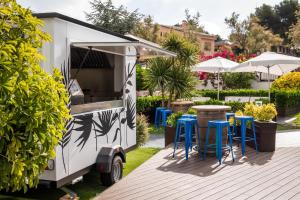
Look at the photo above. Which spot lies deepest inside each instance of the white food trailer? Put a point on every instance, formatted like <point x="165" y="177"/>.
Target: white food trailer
<point x="99" y="71"/>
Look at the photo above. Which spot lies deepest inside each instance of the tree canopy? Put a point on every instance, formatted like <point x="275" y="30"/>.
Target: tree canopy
<point x="278" y="18"/>
<point x="147" y="29"/>
<point x="33" y="107"/>
<point x="118" y="19"/>
<point x="249" y="36"/>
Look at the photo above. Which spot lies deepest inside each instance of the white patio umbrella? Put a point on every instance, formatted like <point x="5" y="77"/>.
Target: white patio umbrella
<point x="215" y="65"/>
<point x="270" y="63"/>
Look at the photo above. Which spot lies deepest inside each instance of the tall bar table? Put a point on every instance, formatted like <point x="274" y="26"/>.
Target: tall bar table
<point x="207" y="113"/>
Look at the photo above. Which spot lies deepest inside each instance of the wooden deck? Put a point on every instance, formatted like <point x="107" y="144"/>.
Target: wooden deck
<point x="256" y="176"/>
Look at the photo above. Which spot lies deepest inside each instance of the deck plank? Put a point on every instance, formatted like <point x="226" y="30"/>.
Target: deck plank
<point x="256" y="176"/>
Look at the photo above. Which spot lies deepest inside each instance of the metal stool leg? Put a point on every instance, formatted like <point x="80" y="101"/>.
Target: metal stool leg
<point x="187" y="144"/>
<point x="254" y="135"/>
<point x="206" y="140"/>
<point x="177" y="134"/>
<point x="230" y="142"/>
<point x="243" y="135"/>
<point x="219" y="143"/>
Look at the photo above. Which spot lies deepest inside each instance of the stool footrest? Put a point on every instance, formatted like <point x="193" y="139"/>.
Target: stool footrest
<point x="246" y="139"/>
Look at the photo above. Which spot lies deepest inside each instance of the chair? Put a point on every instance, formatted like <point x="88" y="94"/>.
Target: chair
<point x="243" y="138"/>
<point x="158" y="116"/>
<point x="164" y="116"/>
<point x="186" y="125"/>
<point x="219" y="125"/>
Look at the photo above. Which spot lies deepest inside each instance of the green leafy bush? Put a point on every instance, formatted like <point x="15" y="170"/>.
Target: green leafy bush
<point x="33" y="109"/>
<point x="192" y="111"/>
<point x="237" y="80"/>
<point x="265" y="112"/>
<point x="142" y="129"/>
<point x="140" y="78"/>
<point x="235" y="105"/>
<point x="172" y="119"/>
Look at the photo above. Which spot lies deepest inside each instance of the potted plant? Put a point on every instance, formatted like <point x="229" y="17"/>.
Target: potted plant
<point x="264" y="125"/>
<point x="171" y="127"/>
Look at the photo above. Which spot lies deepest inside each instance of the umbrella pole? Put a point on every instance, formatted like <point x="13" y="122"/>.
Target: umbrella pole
<point x="219" y="85"/>
<point x="269" y="84"/>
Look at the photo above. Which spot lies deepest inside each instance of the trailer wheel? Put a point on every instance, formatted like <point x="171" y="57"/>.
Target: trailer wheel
<point x="115" y="173"/>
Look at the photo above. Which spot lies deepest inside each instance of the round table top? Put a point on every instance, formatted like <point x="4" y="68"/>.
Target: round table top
<point x="211" y="108"/>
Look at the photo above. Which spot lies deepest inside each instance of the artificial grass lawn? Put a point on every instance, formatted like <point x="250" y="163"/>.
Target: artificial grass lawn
<point x="156" y="131"/>
<point x="91" y="185"/>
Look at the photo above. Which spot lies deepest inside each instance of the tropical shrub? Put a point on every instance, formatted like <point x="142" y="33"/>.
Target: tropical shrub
<point x="250" y="109"/>
<point x="289" y="81"/>
<point x="265" y="112"/>
<point x="172" y="119"/>
<point x="192" y="111"/>
<point x="142" y="129"/>
<point x="33" y="109"/>
<point x="157" y="74"/>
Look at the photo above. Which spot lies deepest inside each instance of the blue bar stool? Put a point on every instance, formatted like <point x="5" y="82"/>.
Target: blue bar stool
<point x="158" y="116"/>
<point x="186" y="124"/>
<point x="219" y="125"/>
<point x="189" y="116"/>
<point x="164" y="116"/>
<point x="243" y="138"/>
<point x="233" y="128"/>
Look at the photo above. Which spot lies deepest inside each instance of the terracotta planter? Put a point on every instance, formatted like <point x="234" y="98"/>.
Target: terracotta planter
<point x="182" y="106"/>
<point x="169" y="135"/>
<point x="265" y="136"/>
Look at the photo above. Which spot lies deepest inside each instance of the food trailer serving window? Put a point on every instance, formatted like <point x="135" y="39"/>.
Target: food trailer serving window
<point x="97" y="71"/>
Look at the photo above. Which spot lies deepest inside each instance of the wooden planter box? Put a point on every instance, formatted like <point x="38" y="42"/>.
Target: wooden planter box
<point x="265" y="136"/>
<point x="169" y="135"/>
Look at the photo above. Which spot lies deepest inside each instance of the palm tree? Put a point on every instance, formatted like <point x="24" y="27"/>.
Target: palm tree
<point x="180" y="78"/>
<point x="180" y="82"/>
<point x="187" y="52"/>
<point x="157" y="74"/>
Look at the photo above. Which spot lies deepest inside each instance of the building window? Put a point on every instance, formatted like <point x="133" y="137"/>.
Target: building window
<point x="207" y="46"/>
<point x="161" y="34"/>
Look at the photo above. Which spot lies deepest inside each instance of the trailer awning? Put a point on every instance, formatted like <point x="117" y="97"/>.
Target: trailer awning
<point x="144" y="48"/>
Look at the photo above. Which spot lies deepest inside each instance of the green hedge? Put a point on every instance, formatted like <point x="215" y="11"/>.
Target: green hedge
<point x="145" y="104"/>
<point x="223" y="93"/>
<point x="282" y="99"/>
<point x="285" y="98"/>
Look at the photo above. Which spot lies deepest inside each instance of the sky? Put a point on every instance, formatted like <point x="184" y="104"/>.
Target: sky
<point x="167" y="12"/>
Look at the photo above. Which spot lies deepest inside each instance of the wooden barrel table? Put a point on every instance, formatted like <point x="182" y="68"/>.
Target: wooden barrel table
<point x="207" y="113"/>
<point x="182" y="106"/>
